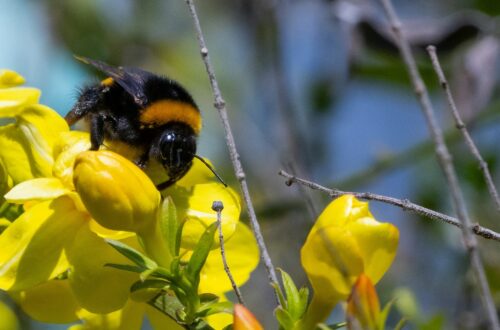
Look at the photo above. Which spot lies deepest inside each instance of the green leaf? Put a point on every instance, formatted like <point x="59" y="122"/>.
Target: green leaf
<point x="149" y="284"/>
<point x="333" y="326"/>
<point x="170" y="305"/>
<point x="178" y="238"/>
<point x="278" y="291"/>
<point x="200" y="254"/>
<point x="145" y="274"/>
<point x="130" y="268"/>
<point x="169" y="224"/>
<point x="384" y="314"/>
<point x="284" y="318"/>
<point x="206" y="298"/>
<point x="293" y="298"/>
<point x="163" y="273"/>
<point x="303" y="301"/>
<point x="401" y="324"/>
<point x="214" y="308"/>
<point x="132" y="254"/>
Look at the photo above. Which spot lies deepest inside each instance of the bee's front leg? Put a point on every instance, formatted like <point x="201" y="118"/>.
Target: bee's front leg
<point x="96" y="131"/>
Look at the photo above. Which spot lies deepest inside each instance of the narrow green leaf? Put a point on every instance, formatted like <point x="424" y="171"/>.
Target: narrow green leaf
<point x="135" y="256"/>
<point x="145" y="274"/>
<point x="400" y="324"/>
<point x="322" y="326"/>
<point x="206" y="298"/>
<point x="214" y="308"/>
<point x="162" y="273"/>
<point x="284" y="318"/>
<point x="303" y="301"/>
<point x="149" y="284"/>
<point x="169" y="304"/>
<point x="200" y="254"/>
<point x="130" y="268"/>
<point x="384" y="314"/>
<point x="336" y="325"/>
<point x="292" y="296"/>
<point x="178" y="238"/>
<point x="278" y="291"/>
<point x="169" y="224"/>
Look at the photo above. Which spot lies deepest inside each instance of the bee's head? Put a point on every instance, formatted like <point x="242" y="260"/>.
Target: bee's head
<point x="175" y="149"/>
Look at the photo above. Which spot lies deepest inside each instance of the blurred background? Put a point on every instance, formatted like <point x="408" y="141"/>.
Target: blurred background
<point x="317" y="88"/>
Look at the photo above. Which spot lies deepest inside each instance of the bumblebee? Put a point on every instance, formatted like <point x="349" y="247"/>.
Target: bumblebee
<point x="153" y="115"/>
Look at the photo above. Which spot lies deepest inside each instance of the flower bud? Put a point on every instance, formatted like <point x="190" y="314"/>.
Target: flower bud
<point x="115" y="191"/>
<point x="244" y="319"/>
<point x="363" y="307"/>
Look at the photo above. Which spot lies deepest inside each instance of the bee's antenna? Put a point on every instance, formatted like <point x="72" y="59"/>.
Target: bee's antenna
<point x="211" y="169"/>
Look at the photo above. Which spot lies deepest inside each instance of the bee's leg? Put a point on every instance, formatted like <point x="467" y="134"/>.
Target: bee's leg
<point x="96" y="131"/>
<point x="89" y="101"/>
<point x="174" y="179"/>
<point x="166" y="184"/>
<point x="143" y="160"/>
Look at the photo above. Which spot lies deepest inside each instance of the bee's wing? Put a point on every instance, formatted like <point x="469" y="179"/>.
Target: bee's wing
<point x="131" y="80"/>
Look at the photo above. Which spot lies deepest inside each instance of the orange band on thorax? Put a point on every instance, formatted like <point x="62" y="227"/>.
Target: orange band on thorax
<point x="165" y="111"/>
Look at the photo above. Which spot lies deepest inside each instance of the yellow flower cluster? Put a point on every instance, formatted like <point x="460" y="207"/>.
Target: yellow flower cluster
<point x="53" y="256"/>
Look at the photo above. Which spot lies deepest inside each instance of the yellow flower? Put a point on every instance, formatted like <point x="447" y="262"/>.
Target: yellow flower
<point x="363" y="307"/>
<point x="345" y="242"/>
<point x="56" y="248"/>
<point x="28" y="138"/>
<point x="193" y="196"/>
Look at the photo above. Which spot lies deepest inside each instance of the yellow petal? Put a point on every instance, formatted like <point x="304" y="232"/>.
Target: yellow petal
<point x="341" y="211"/>
<point x="32" y="248"/>
<point x="194" y="206"/>
<point x="242" y="255"/>
<point x="378" y="243"/>
<point x="27" y="144"/>
<point x="130" y="317"/>
<point x="98" y="289"/>
<point x="109" y="233"/>
<point x="13" y="100"/>
<point x="9" y="78"/>
<point x="50" y="302"/>
<point x="17" y="158"/>
<point x="115" y="191"/>
<point x="219" y="320"/>
<point x="42" y="126"/>
<point x="332" y="261"/>
<point x="68" y="146"/>
<point x="8" y="319"/>
<point x="36" y="189"/>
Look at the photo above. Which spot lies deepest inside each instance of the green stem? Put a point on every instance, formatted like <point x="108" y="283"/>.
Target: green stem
<point x="154" y="244"/>
<point x="318" y="311"/>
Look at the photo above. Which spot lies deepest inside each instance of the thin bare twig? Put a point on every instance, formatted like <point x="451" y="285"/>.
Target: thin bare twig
<point x="446" y="163"/>
<point x="220" y="105"/>
<point x="218" y="206"/>
<point x="461" y="126"/>
<point x="404" y="204"/>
